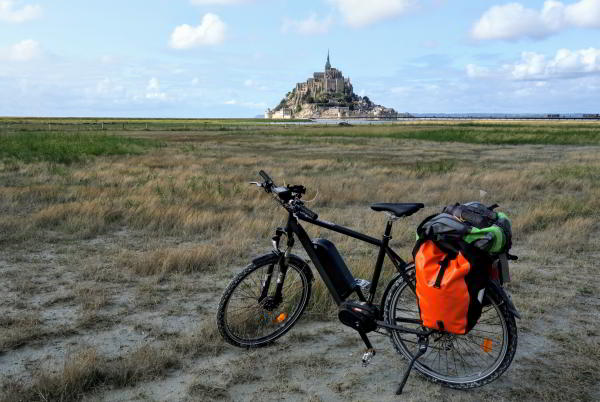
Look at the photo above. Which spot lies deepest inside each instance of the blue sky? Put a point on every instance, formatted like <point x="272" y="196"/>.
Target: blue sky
<point x="235" y="58"/>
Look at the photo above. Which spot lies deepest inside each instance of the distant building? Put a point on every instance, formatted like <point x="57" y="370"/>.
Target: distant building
<point x="331" y="80"/>
<point x="283" y="113"/>
<point x="327" y="95"/>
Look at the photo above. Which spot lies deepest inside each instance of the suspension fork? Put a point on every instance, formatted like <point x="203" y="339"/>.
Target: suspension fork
<point x="282" y="264"/>
<point x="283" y="267"/>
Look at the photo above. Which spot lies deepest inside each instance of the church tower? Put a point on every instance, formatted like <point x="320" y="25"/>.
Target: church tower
<point x="328" y="64"/>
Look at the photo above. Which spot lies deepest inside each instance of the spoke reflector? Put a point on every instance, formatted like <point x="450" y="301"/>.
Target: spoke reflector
<point x="280" y="318"/>
<point x="487" y="345"/>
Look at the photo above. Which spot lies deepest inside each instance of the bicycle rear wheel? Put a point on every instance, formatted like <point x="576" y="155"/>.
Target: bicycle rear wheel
<point x="456" y="361"/>
<point x="245" y="319"/>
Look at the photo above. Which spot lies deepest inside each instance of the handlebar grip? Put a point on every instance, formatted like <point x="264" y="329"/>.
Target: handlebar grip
<point x="265" y="176"/>
<point x="310" y="214"/>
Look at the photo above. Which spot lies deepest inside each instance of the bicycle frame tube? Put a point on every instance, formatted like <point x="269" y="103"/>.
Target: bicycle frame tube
<point x="293" y="226"/>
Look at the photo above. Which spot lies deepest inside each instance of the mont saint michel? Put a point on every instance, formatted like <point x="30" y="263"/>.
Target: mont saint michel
<point x="327" y="95"/>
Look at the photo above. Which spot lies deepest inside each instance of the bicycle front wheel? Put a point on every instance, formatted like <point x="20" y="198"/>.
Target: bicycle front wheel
<point x="456" y="361"/>
<point x="250" y="315"/>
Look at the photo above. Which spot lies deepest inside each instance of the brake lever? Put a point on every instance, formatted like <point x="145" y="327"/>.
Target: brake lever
<point x="257" y="184"/>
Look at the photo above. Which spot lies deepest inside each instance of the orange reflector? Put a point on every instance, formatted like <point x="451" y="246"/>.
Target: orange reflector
<point x="281" y="318"/>
<point x="487" y="345"/>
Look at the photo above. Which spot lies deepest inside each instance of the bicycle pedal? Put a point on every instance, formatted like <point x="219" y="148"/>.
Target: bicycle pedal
<point x="364" y="284"/>
<point x="367" y="357"/>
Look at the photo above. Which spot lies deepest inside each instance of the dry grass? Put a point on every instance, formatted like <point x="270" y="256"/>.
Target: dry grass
<point x="204" y="342"/>
<point x="137" y="248"/>
<point x="17" y="331"/>
<point x="86" y="371"/>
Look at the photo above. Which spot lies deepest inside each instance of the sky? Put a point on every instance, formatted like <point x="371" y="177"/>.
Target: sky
<point x="235" y="58"/>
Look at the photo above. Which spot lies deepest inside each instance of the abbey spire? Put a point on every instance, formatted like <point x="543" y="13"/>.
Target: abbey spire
<point x="328" y="64"/>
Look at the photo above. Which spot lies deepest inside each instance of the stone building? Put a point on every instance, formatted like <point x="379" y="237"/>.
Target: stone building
<point x="331" y="80"/>
<point x="327" y="95"/>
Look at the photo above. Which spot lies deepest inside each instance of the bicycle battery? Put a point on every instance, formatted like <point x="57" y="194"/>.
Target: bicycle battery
<point x="335" y="267"/>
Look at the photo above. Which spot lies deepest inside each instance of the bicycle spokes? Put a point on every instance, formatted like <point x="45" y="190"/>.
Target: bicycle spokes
<point x="255" y="308"/>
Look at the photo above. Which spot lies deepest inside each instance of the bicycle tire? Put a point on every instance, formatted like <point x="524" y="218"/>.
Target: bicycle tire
<point x="296" y="267"/>
<point x="496" y="368"/>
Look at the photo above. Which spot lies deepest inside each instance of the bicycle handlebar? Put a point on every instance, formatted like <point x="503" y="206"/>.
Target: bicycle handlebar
<point x="289" y="196"/>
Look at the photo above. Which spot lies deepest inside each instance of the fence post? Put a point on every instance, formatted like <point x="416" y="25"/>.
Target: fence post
<point x="146" y="126"/>
<point x="48" y="126"/>
<point x="102" y="126"/>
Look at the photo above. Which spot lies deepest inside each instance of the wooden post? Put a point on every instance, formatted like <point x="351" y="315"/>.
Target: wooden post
<point x="146" y="126"/>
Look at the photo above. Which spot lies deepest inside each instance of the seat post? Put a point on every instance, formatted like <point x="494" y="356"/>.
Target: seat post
<point x="379" y="264"/>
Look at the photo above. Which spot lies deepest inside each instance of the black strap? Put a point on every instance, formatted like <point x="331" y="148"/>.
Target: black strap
<point x="443" y="265"/>
<point x="420" y="235"/>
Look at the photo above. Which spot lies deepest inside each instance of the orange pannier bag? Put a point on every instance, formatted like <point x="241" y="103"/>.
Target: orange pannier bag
<point x="449" y="289"/>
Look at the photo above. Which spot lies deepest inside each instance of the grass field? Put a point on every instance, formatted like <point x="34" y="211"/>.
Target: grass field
<point x="115" y="246"/>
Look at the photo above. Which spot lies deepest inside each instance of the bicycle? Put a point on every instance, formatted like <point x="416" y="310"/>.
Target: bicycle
<point x="267" y="298"/>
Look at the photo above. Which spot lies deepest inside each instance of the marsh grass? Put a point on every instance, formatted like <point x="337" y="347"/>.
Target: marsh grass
<point x="66" y="148"/>
<point x="490" y="133"/>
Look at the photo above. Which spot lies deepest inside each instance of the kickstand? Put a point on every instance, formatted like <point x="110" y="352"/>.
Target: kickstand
<point x="423" y="343"/>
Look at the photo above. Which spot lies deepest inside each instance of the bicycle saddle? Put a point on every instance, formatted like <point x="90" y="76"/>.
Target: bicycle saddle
<point x="398" y="209"/>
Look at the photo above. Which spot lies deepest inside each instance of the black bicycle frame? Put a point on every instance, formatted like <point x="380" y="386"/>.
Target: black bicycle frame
<point x="293" y="227"/>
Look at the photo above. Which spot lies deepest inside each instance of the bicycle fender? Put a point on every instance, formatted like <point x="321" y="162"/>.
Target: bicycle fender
<point x="398" y="276"/>
<point x="505" y="298"/>
<point x="273" y="258"/>
<point x="387" y="290"/>
<point x="266" y="258"/>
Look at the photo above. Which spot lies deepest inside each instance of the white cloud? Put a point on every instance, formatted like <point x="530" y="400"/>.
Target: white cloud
<point x="25" y="50"/>
<point x="309" y="26"/>
<point x="153" y="90"/>
<point x="584" y="14"/>
<point x="211" y="31"/>
<point x="359" y="13"/>
<point x="565" y="64"/>
<point x="10" y="12"/>
<point x="514" y="21"/>
<point x="533" y="66"/>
